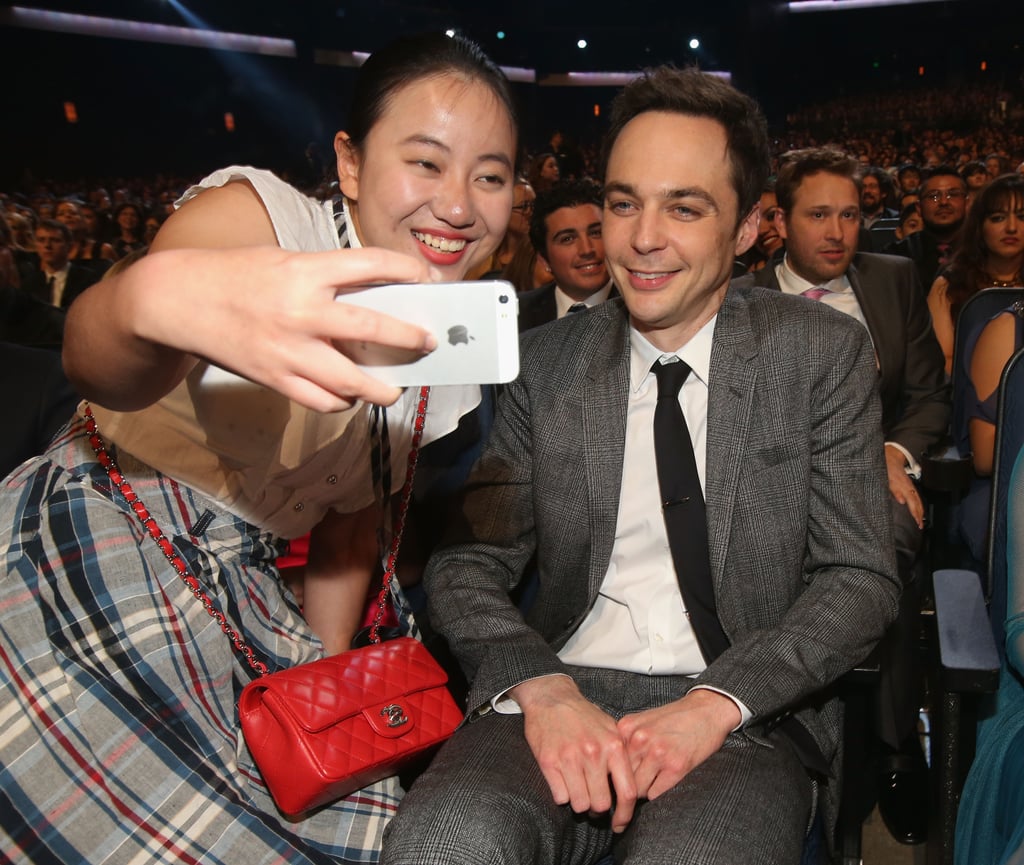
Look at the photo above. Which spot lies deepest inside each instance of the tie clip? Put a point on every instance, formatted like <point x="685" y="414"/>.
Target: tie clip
<point x="673" y="502"/>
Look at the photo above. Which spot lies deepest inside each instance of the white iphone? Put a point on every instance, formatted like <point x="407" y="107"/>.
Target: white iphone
<point x="475" y="323"/>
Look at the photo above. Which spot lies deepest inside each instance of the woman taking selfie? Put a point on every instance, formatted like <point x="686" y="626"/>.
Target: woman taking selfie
<point x="120" y="689"/>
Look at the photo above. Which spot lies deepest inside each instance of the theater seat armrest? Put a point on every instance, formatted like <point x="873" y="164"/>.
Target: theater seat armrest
<point x="946" y="471"/>
<point x="967" y="650"/>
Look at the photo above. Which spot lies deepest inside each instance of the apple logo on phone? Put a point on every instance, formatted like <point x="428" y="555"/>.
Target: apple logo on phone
<point x="458" y="334"/>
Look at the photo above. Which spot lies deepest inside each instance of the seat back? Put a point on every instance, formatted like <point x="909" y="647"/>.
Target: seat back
<point x="1009" y="441"/>
<point x="1015" y="564"/>
<point x="975" y="314"/>
<point x="882" y="233"/>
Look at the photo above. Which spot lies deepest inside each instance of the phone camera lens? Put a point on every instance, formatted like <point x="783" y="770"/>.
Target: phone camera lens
<point x="502" y="298"/>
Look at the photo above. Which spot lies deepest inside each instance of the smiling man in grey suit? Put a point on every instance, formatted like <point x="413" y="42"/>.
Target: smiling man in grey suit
<point x="613" y="712"/>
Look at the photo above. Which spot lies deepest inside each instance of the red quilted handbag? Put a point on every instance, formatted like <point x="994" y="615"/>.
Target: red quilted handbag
<point x="322" y="730"/>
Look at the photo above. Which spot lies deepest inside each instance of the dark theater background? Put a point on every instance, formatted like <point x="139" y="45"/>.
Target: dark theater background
<point x="80" y="100"/>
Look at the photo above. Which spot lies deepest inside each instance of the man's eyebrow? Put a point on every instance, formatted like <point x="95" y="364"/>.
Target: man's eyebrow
<point x="620" y="187"/>
<point x="691" y="192"/>
<point x="430" y="141"/>
<point x="565" y="232"/>
<point x="669" y="194"/>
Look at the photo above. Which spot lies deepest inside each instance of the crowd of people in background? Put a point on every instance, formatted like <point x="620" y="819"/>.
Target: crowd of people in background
<point x="978" y="131"/>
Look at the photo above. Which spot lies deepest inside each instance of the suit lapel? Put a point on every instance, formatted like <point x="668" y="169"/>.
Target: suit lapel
<point x="867" y="308"/>
<point x="733" y="381"/>
<point x="605" y="395"/>
<point x="874" y="317"/>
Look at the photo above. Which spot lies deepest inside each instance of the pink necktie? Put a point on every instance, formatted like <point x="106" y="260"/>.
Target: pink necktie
<point x="815" y="293"/>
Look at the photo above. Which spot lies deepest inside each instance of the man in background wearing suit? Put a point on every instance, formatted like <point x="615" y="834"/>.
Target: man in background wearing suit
<point x="565" y="229"/>
<point x="943" y="207"/>
<point x="57" y="280"/>
<point x="665" y="690"/>
<point x="819" y="217"/>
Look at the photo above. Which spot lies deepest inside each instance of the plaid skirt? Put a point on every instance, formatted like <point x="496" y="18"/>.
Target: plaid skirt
<point x="119" y="734"/>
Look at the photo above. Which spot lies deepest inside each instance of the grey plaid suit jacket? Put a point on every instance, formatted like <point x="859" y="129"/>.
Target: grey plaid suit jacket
<point x="797" y="505"/>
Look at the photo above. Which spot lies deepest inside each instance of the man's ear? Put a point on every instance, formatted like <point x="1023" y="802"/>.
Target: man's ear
<point x="544" y="261"/>
<point x="780" y="224"/>
<point x="747" y="233"/>
<point x="348" y="166"/>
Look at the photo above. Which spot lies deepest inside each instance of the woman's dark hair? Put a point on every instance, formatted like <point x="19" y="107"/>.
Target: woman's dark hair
<point x="539" y="183"/>
<point x="519" y="271"/>
<point x="128" y="205"/>
<point x="411" y="59"/>
<point x="968" y="272"/>
<point x="969" y="169"/>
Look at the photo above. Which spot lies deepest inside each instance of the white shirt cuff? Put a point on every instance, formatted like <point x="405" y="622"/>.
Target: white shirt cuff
<point x="503" y="704"/>
<point x="913" y="467"/>
<point x="745" y="713"/>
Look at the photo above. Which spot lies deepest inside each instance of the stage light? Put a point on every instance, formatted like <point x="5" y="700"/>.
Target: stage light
<point x="695" y="43"/>
<point x="501" y="34"/>
<point x="841" y="5"/>
<point x="141" y="31"/>
<point x="582" y="43"/>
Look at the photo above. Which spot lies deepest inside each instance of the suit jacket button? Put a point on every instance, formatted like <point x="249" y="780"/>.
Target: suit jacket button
<point x="570" y="622"/>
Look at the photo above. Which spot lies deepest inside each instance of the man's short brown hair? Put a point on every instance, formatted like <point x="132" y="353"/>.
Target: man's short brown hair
<point x="699" y="94"/>
<point x="795" y="165"/>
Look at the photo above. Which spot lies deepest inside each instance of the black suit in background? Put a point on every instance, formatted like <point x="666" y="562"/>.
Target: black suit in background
<point x="922" y="247"/>
<point x="915" y="414"/>
<point x="80" y="277"/>
<point x="26" y="320"/>
<point x="538" y="306"/>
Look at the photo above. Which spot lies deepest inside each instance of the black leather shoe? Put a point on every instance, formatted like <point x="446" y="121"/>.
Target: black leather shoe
<point x="903" y="802"/>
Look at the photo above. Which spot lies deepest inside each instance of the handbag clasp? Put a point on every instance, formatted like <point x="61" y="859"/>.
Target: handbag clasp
<point x="395" y="714"/>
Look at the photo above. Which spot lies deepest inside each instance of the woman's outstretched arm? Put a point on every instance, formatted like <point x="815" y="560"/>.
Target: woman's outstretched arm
<point x="216" y="286"/>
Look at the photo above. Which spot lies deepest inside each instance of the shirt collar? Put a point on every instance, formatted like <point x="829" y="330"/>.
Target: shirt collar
<point x="563" y="301"/>
<point x="62" y="272"/>
<point x="696" y="353"/>
<point x="792" y="283"/>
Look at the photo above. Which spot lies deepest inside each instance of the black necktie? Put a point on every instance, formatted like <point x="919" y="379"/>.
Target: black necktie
<point x="683" y="510"/>
<point x="577" y="307"/>
<point x="687" y="529"/>
<point x="50" y="284"/>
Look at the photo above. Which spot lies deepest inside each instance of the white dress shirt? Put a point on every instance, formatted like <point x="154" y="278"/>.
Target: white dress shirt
<point x="563" y="301"/>
<point x="638" y="622"/>
<point x="60" y="280"/>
